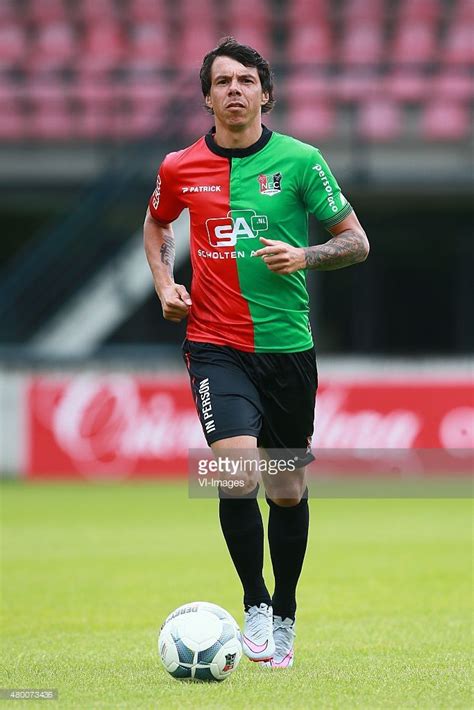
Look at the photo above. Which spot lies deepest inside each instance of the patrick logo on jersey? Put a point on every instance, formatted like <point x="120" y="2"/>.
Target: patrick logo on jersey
<point x="236" y="225"/>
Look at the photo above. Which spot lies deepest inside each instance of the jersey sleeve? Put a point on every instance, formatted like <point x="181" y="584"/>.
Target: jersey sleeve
<point x="165" y="205"/>
<point x="321" y="193"/>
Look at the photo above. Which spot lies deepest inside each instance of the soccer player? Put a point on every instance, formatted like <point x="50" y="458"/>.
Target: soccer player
<point x="248" y="347"/>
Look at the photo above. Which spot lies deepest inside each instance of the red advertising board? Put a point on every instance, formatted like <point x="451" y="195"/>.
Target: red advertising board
<point x="116" y="426"/>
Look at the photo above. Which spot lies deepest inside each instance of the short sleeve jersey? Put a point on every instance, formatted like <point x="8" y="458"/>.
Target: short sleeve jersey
<point x="236" y="196"/>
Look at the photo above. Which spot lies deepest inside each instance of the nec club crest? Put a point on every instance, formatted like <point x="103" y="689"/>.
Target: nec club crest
<point x="270" y="184"/>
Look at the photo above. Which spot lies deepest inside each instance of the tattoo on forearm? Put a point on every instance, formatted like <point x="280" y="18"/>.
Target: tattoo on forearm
<point x="347" y="248"/>
<point x="167" y="251"/>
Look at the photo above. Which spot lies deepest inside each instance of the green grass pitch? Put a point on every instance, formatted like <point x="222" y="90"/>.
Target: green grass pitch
<point x="90" y="571"/>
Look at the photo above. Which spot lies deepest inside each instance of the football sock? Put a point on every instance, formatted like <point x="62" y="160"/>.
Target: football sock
<point x="241" y="523"/>
<point x="287" y="537"/>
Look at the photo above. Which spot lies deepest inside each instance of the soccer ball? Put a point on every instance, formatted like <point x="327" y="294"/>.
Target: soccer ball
<point x="200" y="641"/>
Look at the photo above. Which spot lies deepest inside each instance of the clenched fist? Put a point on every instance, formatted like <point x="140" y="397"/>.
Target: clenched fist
<point x="175" y="301"/>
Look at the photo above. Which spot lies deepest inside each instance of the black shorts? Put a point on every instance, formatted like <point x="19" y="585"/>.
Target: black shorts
<point x="267" y="395"/>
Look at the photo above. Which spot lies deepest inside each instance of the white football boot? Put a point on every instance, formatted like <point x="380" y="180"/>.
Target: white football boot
<point x="257" y="637"/>
<point x="284" y="636"/>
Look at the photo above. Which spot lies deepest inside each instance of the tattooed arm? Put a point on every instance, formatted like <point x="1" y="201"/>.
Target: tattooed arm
<point x="349" y="245"/>
<point x="159" y="248"/>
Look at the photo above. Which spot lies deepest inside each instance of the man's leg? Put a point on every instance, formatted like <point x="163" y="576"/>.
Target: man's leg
<point x="242" y="526"/>
<point x="241" y="522"/>
<point x="288" y="526"/>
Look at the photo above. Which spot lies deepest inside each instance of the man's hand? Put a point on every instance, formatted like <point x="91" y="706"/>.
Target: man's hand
<point x="280" y="257"/>
<point x="175" y="301"/>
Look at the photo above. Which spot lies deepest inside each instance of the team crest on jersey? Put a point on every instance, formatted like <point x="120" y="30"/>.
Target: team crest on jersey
<point x="270" y="184"/>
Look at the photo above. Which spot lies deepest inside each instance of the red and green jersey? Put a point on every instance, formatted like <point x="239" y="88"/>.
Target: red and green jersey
<point x="235" y="196"/>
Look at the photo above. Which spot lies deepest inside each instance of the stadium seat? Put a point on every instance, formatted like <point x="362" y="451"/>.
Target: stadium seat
<point x="459" y="44"/>
<point x="253" y="13"/>
<point x="305" y="87"/>
<point x="90" y="11"/>
<point x="148" y="44"/>
<point x="13" y="45"/>
<point x="51" y="123"/>
<point x="463" y="11"/>
<point x="102" y="48"/>
<point x="43" y="12"/>
<point x="362" y="43"/>
<point x="419" y="10"/>
<point x="146" y="11"/>
<point x="356" y="11"/>
<point x="455" y="84"/>
<point x="355" y="85"/>
<point x="414" y="43"/>
<point x="379" y="120"/>
<point x="8" y="12"/>
<point x="255" y="36"/>
<point x="312" y="123"/>
<point x="300" y="13"/>
<point x="53" y="48"/>
<point x="12" y="125"/>
<point x="191" y="47"/>
<point x="197" y="124"/>
<point x="445" y="121"/>
<point x="310" y="45"/>
<point x="408" y="85"/>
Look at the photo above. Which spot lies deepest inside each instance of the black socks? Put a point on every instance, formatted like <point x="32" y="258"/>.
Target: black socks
<point x="287" y="536"/>
<point x="241" y="523"/>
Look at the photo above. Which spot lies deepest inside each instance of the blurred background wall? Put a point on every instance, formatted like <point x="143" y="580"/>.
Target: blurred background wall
<point x="93" y="94"/>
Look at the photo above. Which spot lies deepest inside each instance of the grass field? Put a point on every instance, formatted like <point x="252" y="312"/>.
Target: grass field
<point x="90" y="571"/>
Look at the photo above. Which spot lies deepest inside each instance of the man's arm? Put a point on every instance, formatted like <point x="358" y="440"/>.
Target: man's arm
<point x="349" y="245"/>
<point x="160" y="249"/>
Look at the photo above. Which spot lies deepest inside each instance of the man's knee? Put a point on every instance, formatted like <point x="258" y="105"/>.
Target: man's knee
<point x="285" y="502"/>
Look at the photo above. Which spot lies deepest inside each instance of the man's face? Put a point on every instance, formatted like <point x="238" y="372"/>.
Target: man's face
<point x="236" y="95"/>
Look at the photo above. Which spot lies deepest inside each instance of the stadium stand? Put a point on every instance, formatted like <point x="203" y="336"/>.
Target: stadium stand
<point x="114" y="65"/>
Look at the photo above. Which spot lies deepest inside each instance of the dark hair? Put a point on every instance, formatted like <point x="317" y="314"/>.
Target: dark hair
<point x="249" y="57"/>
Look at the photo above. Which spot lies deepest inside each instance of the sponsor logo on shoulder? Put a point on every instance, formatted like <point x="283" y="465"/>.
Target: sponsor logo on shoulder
<point x="201" y="188"/>
<point x="270" y="184"/>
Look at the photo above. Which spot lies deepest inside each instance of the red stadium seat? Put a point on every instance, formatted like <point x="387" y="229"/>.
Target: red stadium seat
<point x="420" y="10"/>
<point x="148" y="44"/>
<point x="256" y="37"/>
<point x="463" y="11"/>
<point x="310" y="45"/>
<point x="192" y="46"/>
<point x="48" y="93"/>
<point x="311" y="123"/>
<point x="89" y="95"/>
<point x="197" y="124"/>
<point x="300" y="13"/>
<point x="8" y="12"/>
<point x="305" y="87"/>
<point x="51" y="123"/>
<point x="353" y="86"/>
<point x="356" y="11"/>
<point x="90" y="11"/>
<point x="253" y="13"/>
<point x="147" y="11"/>
<point x="361" y="44"/>
<point x="12" y="125"/>
<point x="103" y="47"/>
<point x="453" y="84"/>
<point x="459" y="44"/>
<point x="379" y="120"/>
<point x="407" y="85"/>
<point x="45" y="11"/>
<point x="193" y="13"/>
<point x="445" y="121"/>
<point x="13" y="45"/>
<point x="415" y="43"/>
<point x="55" y="46"/>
